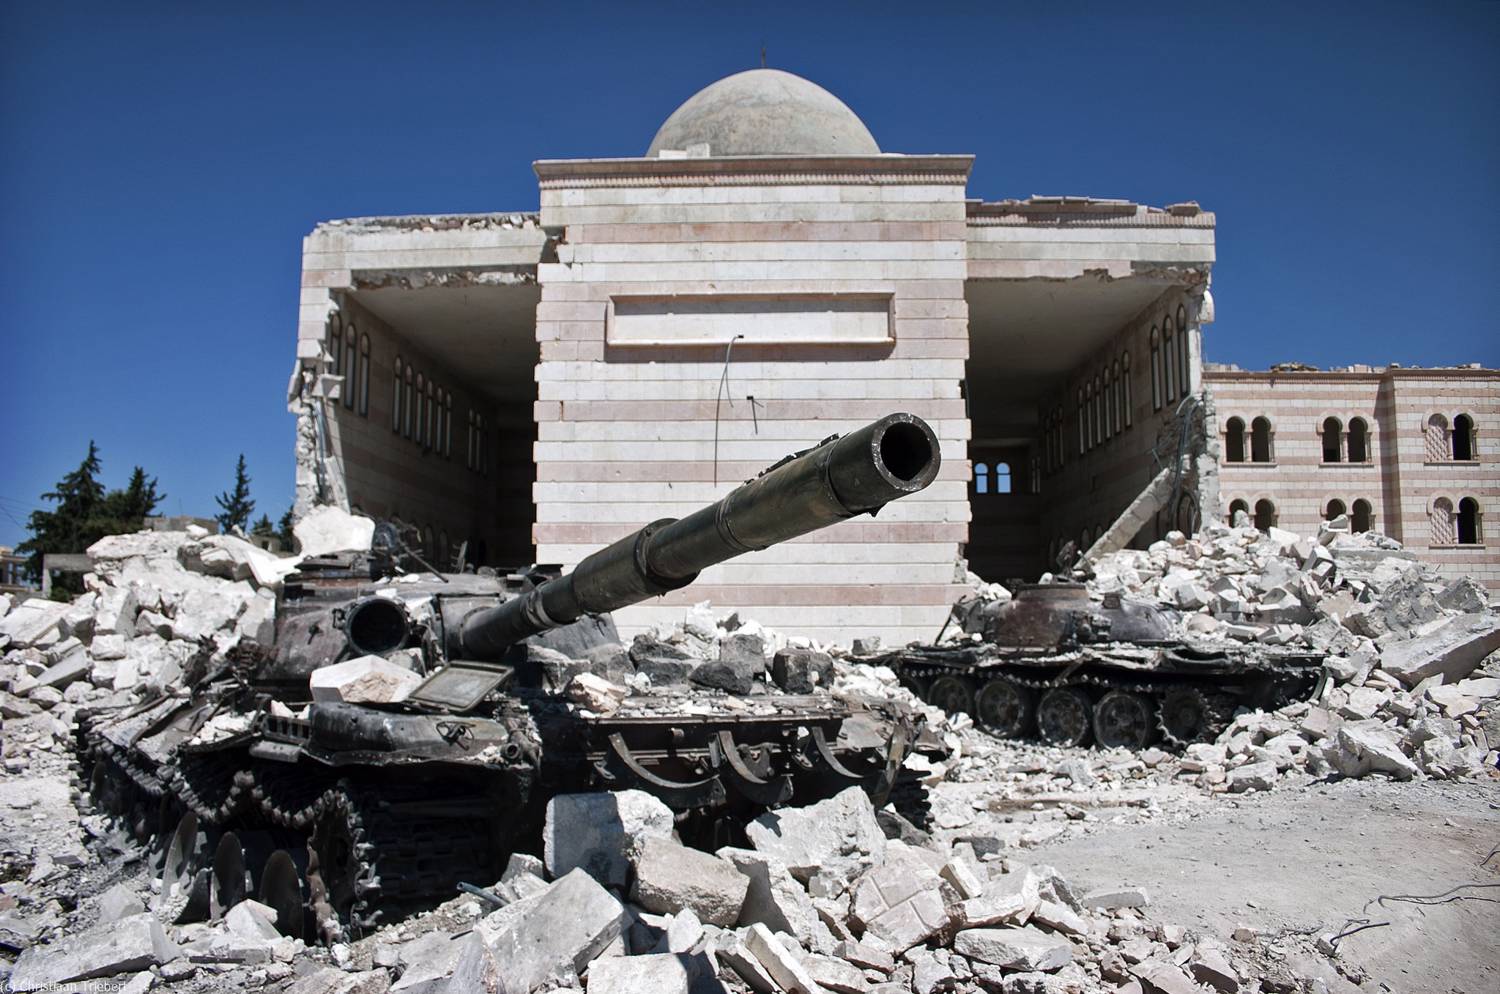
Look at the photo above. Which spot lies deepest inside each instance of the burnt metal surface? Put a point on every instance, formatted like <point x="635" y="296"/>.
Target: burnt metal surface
<point x="1025" y="663"/>
<point x="381" y="808"/>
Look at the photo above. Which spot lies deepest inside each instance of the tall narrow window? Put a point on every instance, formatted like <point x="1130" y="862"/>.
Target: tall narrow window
<point x="1099" y="401"/>
<point x="396" y="396"/>
<point x="1468" y="522"/>
<point x="1463" y="438"/>
<point x="1234" y="440"/>
<point x="437" y="438"/>
<point x="1125" y="380"/>
<point x="1155" y="369"/>
<point x="429" y="435"/>
<point x="336" y="344"/>
<point x="1360" y="517"/>
<point x="1436" y="438"/>
<point x="1002" y="478"/>
<point x="1119" y="408"/>
<point x="1440" y="520"/>
<point x="447" y="425"/>
<point x="1169" y="360"/>
<point x="1239" y="513"/>
<point x="981" y="478"/>
<point x="1359" y="440"/>
<point x="407" y="403"/>
<point x="469" y="457"/>
<point x="1082" y="427"/>
<point x="1088" y="414"/>
<point x="1260" y="440"/>
<point x="1184" y="352"/>
<point x="351" y="366"/>
<point x="364" y="376"/>
<point x="421" y="436"/>
<point x="1333" y="440"/>
<point x="1334" y="509"/>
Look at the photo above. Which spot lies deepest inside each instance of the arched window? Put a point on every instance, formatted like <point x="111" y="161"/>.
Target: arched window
<point x="1436" y="439"/>
<point x="396" y="397"/>
<point x="469" y="459"/>
<point x="1234" y="440"/>
<point x="1468" y="521"/>
<point x="1260" y="440"/>
<point x="1265" y="514"/>
<point x="364" y="376"/>
<point x="1463" y="438"/>
<point x="482" y="455"/>
<point x="1155" y="369"/>
<point x="1099" y="404"/>
<point x="429" y="434"/>
<point x="1359" y="440"/>
<point x="1333" y="439"/>
<point x="1002" y="478"/>
<point x="1239" y="508"/>
<point x="1083" y="445"/>
<point x="421" y="436"/>
<point x="981" y="478"/>
<point x="1184" y="352"/>
<point x="1125" y="382"/>
<point x="408" y="401"/>
<point x="1088" y="415"/>
<point x="1440" y="519"/>
<point x="1334" y="509"/>
<point x="1169" y="359"/>
<point x="1359" y="519"/>
<point x="351" y="367"/>
<point x="447" y="424"/>
<point x="1107" y="415"/>
<point x="1118" y="411"/>
<point x="336" y="344"/>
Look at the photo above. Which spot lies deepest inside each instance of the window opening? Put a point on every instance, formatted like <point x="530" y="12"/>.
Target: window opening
<point x="1333" y="433"/>
<point x="1260" y="440"/>
<point x="1468" y="521"/>
<point x="1359" y="440"/>
<point x="1463" y="438"/>
<point x="1360" y="518"/>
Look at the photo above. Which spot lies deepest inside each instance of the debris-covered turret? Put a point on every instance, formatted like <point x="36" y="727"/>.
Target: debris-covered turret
<point x="404" y="732"/>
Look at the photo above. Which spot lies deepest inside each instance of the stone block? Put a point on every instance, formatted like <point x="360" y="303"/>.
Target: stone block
<point x="557" y="934"/>
<point x="32" y="621"/>
<point x="865" y="957"/>
<point x="664" y="973"/>
<point x="595" y="832"/>
<point x="898" y="902"/>
<point x="119" y="902"/>
<point x="834" y="974"/>
<point x="775" y="898"/>
<point x="365" y="680"/>
<point x="964" y="880"/>
<point x="1119" y="897"/>
<point x="799" y="671"/>
<point x="839" y="835"/>
<point x="1253" y="776"/>
<point x="731" y="951"/>
<point x="327" y="529"/>
<point x="72" y="667"/>
<point x="1060" y="918"/>
<point x="778" y="962"/>
<point x="124" y="946"/>
<point x="1027" y="948"/>
<point x="595" y="693"/>
<point x="1369" y="747"/>
<point x="670" y="876"/>
<point x="1452" y="651"/>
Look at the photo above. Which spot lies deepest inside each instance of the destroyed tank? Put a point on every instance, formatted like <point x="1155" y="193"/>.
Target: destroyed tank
<point x="1056" y="664"/>
<point x="348" y="814"/>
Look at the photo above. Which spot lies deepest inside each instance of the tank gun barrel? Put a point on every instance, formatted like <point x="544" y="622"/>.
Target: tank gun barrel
<point x="839" y="478"/>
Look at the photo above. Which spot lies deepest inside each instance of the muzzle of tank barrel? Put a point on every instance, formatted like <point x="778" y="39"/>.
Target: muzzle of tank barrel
<point x="839" y="478"/>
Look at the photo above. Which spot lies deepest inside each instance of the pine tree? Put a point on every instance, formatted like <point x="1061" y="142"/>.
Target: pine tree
<point x="236" y="503"/>
<point x="263" y="528"/>
<point x="284" y="530"/>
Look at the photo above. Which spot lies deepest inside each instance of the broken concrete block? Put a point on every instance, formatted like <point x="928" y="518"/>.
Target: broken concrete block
<point x="1060" y="918"/>
<point x="1027" y="948"/>
<point x="128" y="945"/>
<point x="732" y="952"/>
<point x="252" y="921"/>
<point x="1370" y="746"/>
<point x="964" y="880"/>
<point x="365" y="680"/>
<point x="774" y="899"/>
<point x="1465" y="595"/>
<point x="1208" y="967"/>
<point x="782" y="966"/>
<point x="596" y="831"/>
<point x="839" y="835"/>
<point x="327" y="529"/>
<point x="595" y="693"/>
<point x="865" y="957"/>
<point x="106" y="648"/>
<point x="664" y="663"/>
<point x="1008" y="899"/>
<point x="558" y="932"/>
<point x="1453" y="651"/>
<point x="1120" y="897"/>
<point x="1253" y="776"/>
<point x="898" y="901"/>
<point x="834" y="974"/>
<point x="664" y="973"/>
<point x="72" y="667"/>
<point x="798" y="671"/>
<point x="670" y="876"/>
<point x="258" y="622"/>
<point x="742" y="659"/>
<point x="119" y="902"/>
<point x="30" y="622"/>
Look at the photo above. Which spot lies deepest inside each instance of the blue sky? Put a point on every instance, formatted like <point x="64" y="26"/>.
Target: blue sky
<point x="160" y="164"/>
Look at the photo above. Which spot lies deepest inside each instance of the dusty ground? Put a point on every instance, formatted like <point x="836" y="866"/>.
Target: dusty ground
<point x="1317" y="857"/>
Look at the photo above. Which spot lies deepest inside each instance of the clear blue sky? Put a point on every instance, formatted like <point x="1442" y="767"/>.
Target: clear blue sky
<point x="159" y="165"/>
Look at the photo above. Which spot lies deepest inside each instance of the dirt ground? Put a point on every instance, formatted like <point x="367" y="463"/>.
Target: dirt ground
<point x="1318" y="857"/>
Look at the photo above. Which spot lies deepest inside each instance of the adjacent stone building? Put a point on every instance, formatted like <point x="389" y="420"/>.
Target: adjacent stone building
<point x="529" y="386"/>
<point x="1401" y="451"/>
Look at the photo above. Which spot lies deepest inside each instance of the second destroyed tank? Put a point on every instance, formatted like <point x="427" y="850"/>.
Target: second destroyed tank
<point x="352" y="797"/>
<point x="1056" y="664"/>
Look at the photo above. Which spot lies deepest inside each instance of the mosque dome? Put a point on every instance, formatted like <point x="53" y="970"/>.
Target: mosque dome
<point x="765" y="112"/>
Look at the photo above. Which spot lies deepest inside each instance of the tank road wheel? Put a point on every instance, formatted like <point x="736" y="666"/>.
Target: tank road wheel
<point x="281" y="889"/>
<point x="951" y="693"/>
<point x="1124" y="719"/>
<point x="1189" y="715"/>
<point x="1063" y="716"/>
<point x="1005" y="709"/>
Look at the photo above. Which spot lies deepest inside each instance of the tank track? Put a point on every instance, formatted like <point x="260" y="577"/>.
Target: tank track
<point x="397" y="856"/>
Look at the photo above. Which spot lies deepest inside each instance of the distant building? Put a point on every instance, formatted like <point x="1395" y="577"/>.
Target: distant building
<point x="14" y="578"/>
<point x="1413" y="453"/>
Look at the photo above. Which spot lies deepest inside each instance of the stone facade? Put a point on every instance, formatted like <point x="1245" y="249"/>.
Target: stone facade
<point x="1407" y="452"/>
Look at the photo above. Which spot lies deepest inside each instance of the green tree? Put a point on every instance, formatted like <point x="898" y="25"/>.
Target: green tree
<point x="284" y="530"/>
<point x="236" y="503"/>
<point x="84" y="514"/>
<point x="263" y="528"/>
